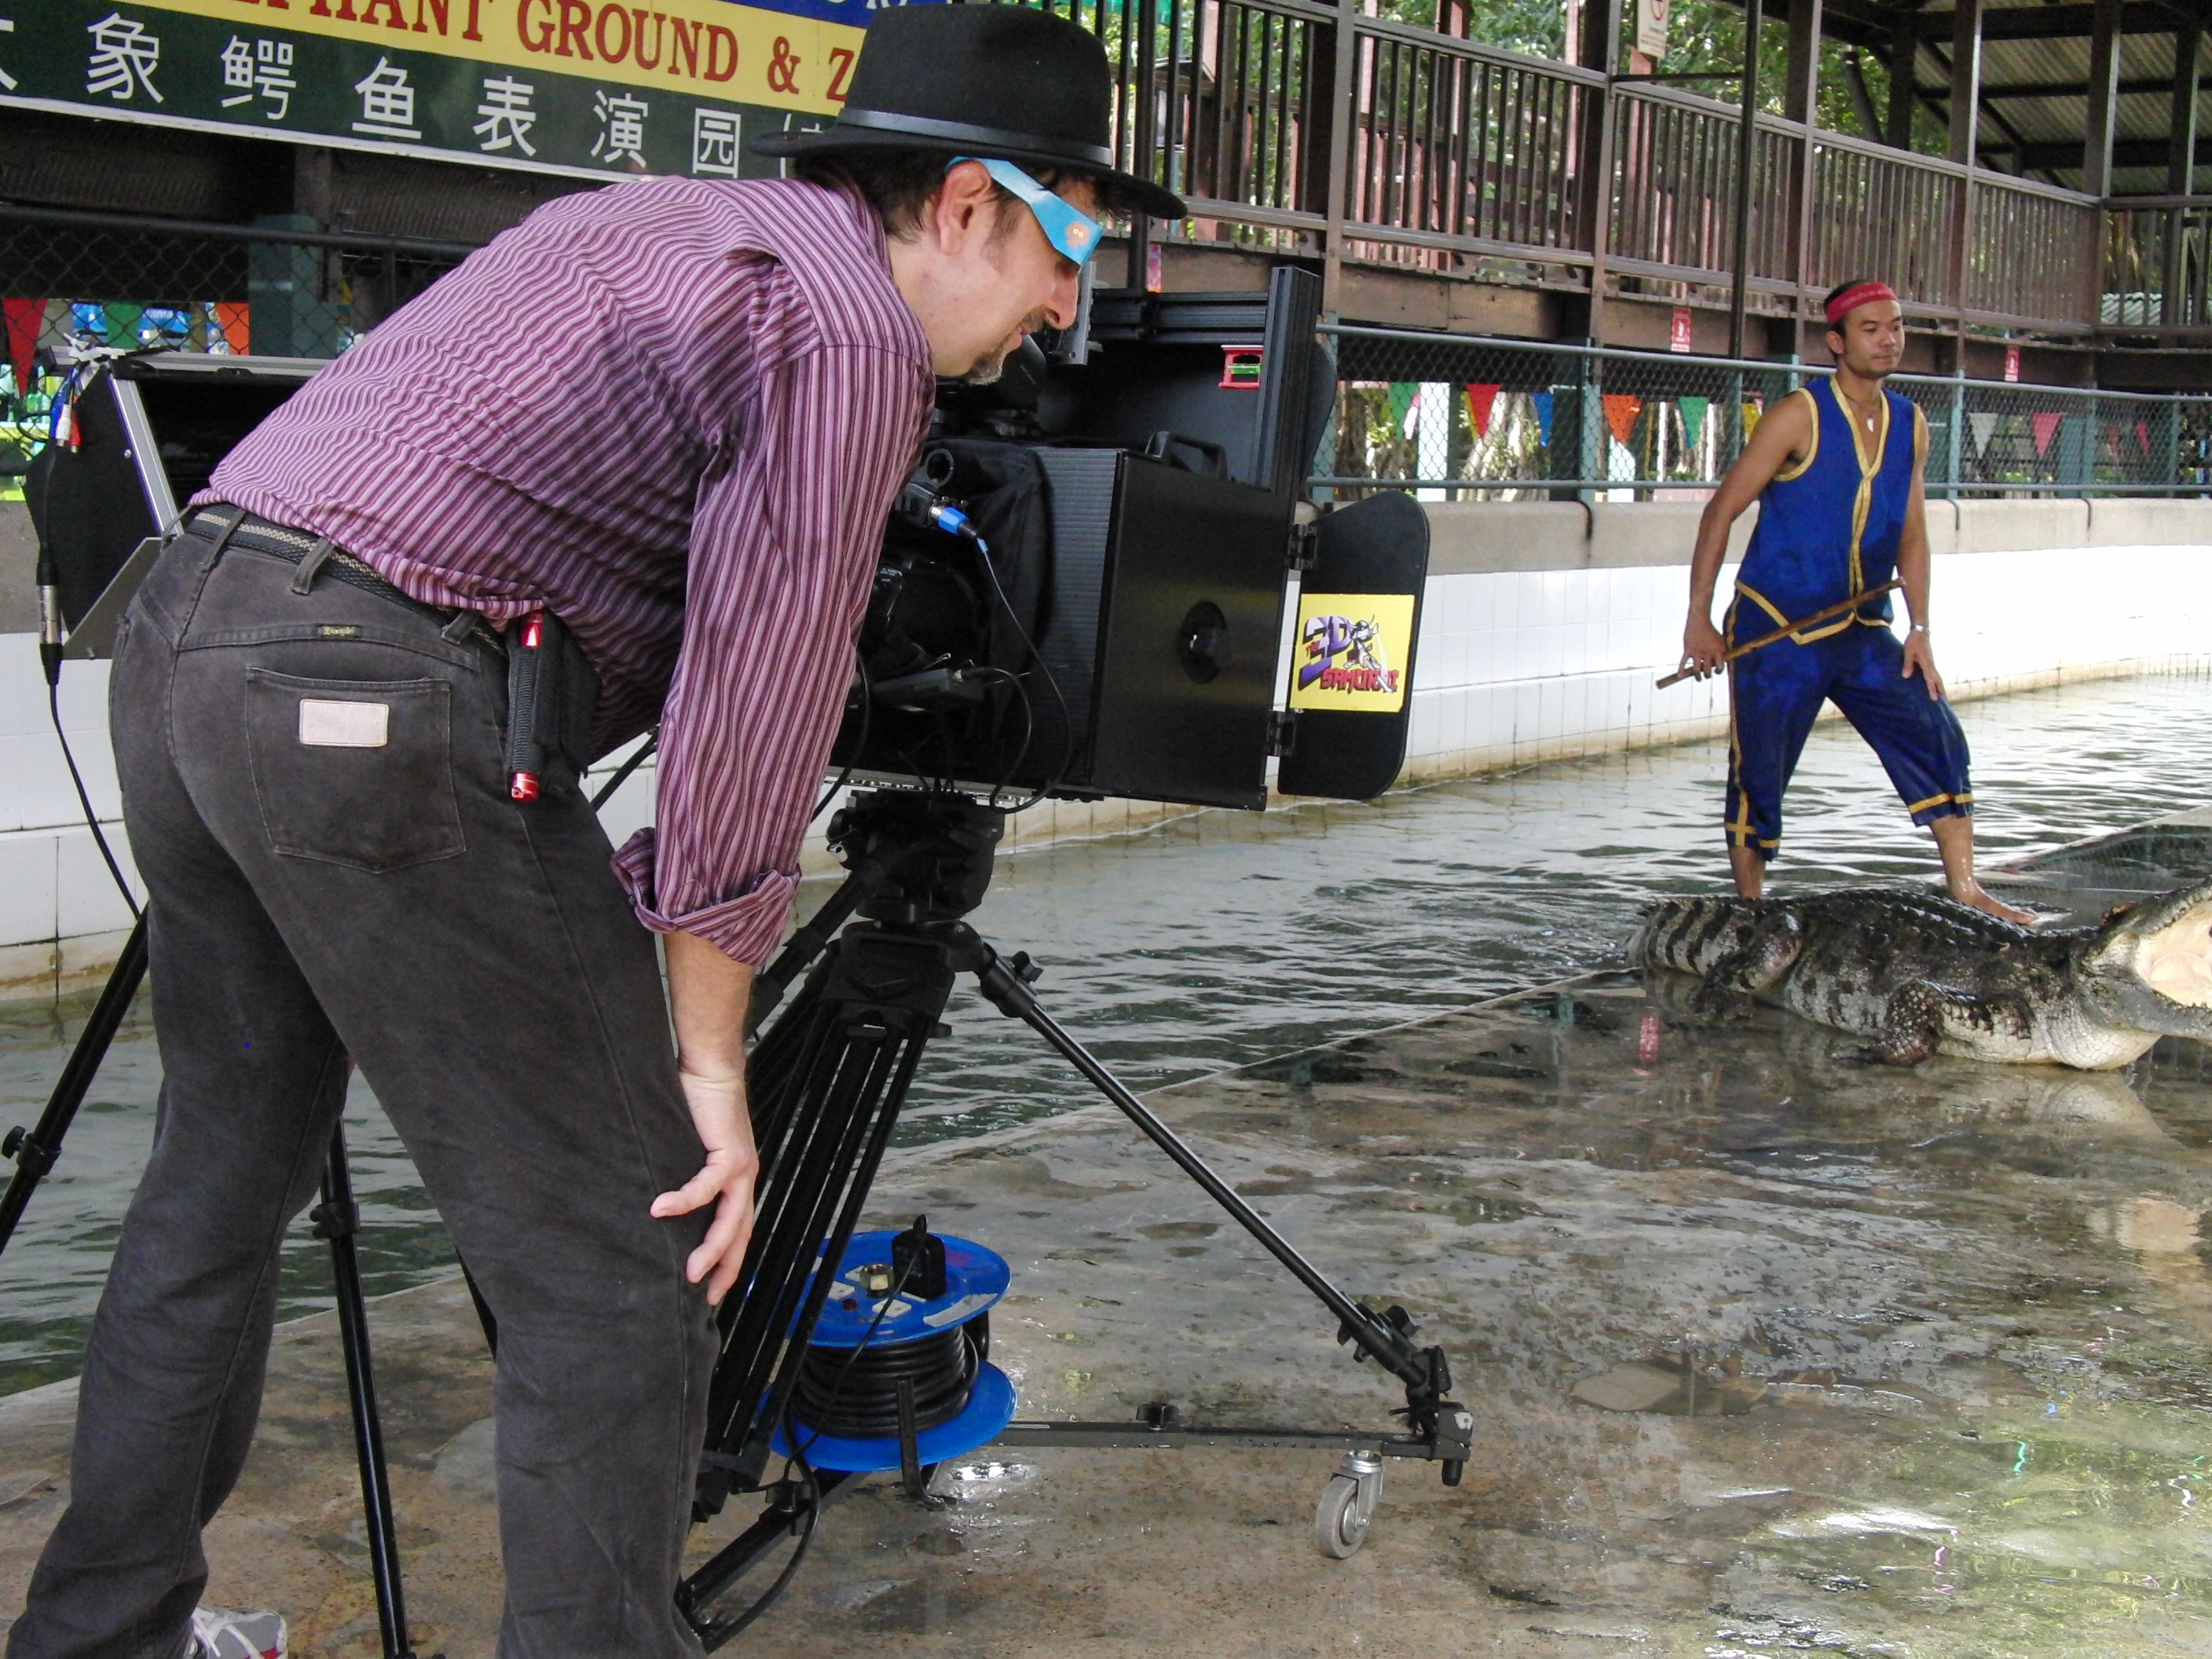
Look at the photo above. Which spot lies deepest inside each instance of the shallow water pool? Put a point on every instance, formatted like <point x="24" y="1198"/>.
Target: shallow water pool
<point x="1226" y="938"/>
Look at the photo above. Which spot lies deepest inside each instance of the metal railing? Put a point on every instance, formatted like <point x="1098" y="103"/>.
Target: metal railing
<point x="1317" y="128"/>
<point x="2157" y="275"/>
<point x="1309" y="127"/>
<point x="1503" y="419"/>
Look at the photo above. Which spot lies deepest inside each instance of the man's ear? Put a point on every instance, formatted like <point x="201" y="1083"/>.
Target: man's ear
<point x="961" y="203"/>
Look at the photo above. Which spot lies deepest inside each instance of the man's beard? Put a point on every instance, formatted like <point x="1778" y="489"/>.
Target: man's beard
<point x="992" y="364"/>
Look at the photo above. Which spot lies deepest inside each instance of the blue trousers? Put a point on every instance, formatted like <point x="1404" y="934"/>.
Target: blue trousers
<point x="1774" y="695"/>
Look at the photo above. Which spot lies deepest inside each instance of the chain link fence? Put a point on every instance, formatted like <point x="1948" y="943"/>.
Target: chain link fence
<point x="1504" y="420"/>
<point x="1463" y="418"/>
<point x="79" y="280"/>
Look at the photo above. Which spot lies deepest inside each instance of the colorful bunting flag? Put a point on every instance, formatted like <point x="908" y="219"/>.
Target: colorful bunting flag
<point x="2142" y="437"/>
<point x="2046" y="429"/>
<point x="1985" y="427"/>
<point x="1750" y="419"/>
<point x="123" y="326"/>
<point x="1620" y="413"/>
<point x="1543" y="402"/>
<point x="234" y="318"/>
<point x="1693" y="417"/>
<point x="1481" y="396"/>
<point x="1404" y="395"/>
<point x="24" y="319"/>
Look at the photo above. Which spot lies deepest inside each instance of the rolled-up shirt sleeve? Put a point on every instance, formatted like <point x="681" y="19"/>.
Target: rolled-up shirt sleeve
<point x="784" y="539"/>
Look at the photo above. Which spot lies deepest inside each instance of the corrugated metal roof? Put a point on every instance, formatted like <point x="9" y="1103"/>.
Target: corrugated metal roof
<point x="2065" y="61"/>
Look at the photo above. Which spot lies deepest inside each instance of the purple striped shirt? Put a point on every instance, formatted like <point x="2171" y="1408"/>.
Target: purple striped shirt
<point x="674" y="413"/>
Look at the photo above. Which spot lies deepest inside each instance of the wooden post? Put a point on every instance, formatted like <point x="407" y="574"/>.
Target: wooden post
<point x="2105" y="24"/>
<point x="1598" y="47"/>
<point x="2188" y="82"/>
<point x="1746" y="158"/>
<point x="1802" y="102"/>
<point x="2104" y="99"/>
<point x="1965" y="78"/>
<point x="1965" y="123"/>
<point x="1903" y="80"/>
<point x="1344" y="140"/>
<point x="2180" y="166"/>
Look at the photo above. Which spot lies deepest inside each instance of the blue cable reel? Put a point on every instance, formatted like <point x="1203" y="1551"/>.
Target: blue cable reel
<point x="902" y="1343"/>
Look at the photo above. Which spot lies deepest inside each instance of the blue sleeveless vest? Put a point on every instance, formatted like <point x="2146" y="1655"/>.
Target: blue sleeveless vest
<point x="1829" y="527"/>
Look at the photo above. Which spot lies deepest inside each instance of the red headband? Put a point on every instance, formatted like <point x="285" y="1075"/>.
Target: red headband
<point x="1852" y="298"/>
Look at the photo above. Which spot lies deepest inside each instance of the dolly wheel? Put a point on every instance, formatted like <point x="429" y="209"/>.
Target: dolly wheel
<point x="1347" y="1504"/>
<point x="1339" y="1527"/>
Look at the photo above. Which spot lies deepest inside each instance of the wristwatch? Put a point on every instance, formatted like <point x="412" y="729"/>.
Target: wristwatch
<point x="1920" y="628"/>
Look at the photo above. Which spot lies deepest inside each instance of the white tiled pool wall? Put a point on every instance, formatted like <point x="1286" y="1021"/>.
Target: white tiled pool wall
<point x="1545" y="627"/>
<point x="1520" y="664"/>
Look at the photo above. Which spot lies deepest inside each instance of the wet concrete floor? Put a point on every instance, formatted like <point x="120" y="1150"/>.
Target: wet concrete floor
<point x="1768" y="1351"/>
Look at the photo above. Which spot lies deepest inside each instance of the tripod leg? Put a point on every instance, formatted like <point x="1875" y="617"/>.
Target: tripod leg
<point x="34" y="1151"/>
<point x="338" y="1218"/>
<point x="1420" y="1369"/>
<point x="831" y="1098"/>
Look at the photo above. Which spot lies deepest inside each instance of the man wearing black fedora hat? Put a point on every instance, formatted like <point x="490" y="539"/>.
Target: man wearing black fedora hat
<point x="353" y="860"/>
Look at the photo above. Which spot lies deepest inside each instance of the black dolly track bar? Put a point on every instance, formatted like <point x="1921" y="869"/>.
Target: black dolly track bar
<point x="791" y="1511"/>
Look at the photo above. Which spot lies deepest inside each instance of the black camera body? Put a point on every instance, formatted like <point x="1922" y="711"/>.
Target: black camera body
<point x="1110" y="620"/>
<point x="1141" y="506"/>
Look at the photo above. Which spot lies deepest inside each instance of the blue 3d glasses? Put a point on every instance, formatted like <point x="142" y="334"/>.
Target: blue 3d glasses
<point x="1074" y="232"/>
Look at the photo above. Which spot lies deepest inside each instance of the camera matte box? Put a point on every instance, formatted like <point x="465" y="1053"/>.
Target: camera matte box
<point x="1146" y="556"/>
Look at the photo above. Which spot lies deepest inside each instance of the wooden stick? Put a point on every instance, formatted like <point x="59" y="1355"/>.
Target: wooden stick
<point x="1788" y="628"/>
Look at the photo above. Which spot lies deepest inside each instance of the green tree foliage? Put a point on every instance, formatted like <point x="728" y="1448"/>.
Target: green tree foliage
<point x="1702" y="35"/>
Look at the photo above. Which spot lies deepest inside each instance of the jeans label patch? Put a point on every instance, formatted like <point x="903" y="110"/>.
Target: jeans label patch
<point x="327" y="724"/>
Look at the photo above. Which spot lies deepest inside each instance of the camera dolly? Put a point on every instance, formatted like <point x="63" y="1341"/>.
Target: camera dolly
<point x="826" y="1081"/>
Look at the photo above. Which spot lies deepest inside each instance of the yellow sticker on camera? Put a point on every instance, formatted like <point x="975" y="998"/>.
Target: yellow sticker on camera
<point x="1352" y="652"/>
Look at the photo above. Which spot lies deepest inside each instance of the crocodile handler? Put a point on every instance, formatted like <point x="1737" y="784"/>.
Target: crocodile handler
<point x="1836" y="469"/>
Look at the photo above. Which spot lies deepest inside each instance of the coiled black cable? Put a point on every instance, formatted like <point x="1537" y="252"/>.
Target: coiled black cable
<point x="854" y="1394"/>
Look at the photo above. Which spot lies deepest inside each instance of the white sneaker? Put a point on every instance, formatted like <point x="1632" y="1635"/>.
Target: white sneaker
<point x="218" y="1633"/>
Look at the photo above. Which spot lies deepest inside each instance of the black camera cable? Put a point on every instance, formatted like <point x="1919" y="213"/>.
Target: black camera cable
<point x="48" y="577"/>
<point x="646" y="751"/>
<point x="952" y="521"/>
<point x="792" y="1428"/>
<point x="638" y="758"/>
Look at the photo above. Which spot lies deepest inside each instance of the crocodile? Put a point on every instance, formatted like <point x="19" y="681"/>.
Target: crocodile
<point x="1918" y="974"/>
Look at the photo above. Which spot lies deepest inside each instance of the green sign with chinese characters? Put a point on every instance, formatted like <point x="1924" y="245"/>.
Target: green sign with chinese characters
<point x="549" y="85"/>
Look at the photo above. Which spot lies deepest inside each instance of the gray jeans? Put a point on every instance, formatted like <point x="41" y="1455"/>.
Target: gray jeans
<point x="314" y="790"/>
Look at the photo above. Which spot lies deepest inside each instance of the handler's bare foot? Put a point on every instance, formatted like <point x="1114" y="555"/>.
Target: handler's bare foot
<point x="1982" y="899"/>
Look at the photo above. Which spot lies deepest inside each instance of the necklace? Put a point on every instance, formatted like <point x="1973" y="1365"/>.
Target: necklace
<point x="1868" y="418"/>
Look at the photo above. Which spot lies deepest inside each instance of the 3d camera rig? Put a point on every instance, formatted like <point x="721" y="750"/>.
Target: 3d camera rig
<point x="1084" y="592"/>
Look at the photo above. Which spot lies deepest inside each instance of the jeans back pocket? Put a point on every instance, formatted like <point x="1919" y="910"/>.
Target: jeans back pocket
<point x="354" y="771"/>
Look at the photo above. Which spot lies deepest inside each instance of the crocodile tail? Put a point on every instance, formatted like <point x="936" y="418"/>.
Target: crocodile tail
<point x="1683" y="934"/>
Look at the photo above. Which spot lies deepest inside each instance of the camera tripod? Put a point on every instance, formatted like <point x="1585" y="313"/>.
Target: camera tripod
<point x="335" y="1218"/>
<point x="826" y="1083"/>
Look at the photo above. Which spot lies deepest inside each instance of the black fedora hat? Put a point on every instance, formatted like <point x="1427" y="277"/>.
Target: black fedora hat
<point x="1001" y="82"/>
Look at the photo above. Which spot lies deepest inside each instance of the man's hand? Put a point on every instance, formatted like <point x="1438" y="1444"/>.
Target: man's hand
<point x="726" y="1180"/>
<point x="1919" y="654"/>
<point x="708" y="995"/>
<point x="1704" y="645"/>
